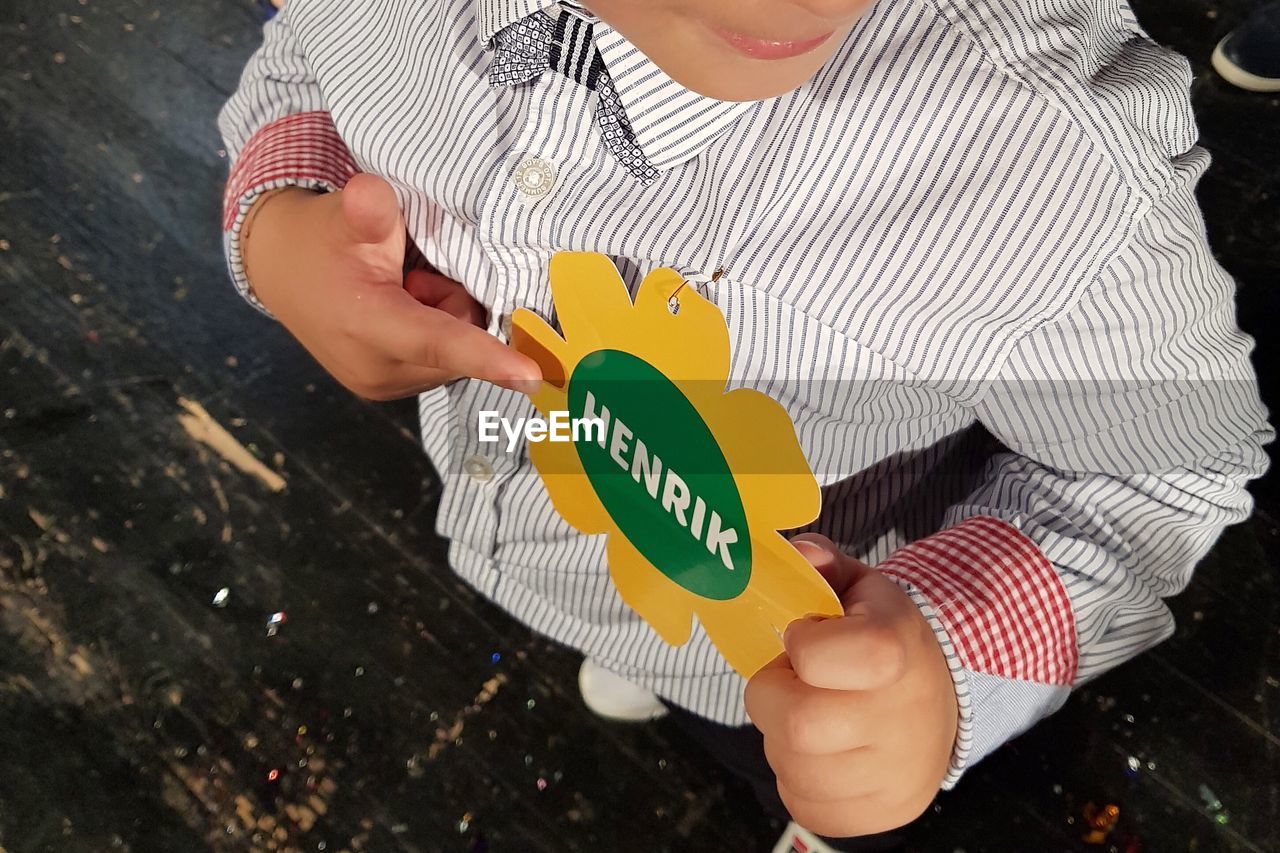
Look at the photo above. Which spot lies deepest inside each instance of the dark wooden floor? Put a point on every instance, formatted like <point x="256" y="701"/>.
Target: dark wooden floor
<point x="392" y="709"/>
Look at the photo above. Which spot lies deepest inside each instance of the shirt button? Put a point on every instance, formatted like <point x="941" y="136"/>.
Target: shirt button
<point x="478" y="468"/>
<point x="534" y="178"/>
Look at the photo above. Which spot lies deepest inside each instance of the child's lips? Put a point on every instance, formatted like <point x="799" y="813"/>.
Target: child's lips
<point x="757" y="48"/>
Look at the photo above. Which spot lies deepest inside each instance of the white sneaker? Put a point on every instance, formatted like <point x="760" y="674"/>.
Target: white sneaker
<point x="797" y="839"/>
<point x="614" y="698"/>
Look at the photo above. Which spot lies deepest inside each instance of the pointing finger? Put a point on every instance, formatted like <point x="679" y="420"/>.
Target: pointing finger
<point x="408" y="331"/>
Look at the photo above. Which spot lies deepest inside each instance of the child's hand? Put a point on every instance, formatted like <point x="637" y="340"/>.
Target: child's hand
<point x="330" y="268"/>
<point x="859" y="715"/>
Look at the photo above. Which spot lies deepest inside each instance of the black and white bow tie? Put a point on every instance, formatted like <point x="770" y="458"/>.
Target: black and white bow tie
<point x="523" y="51"/>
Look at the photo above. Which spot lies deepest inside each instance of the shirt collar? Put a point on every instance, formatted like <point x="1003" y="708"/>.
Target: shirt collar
<point x="671" y="124"/>
<point x="494" y="15"/>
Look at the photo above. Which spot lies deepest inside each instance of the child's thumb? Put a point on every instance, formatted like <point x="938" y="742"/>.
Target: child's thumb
<point x="839" y="569"/>
<point x="370" y="209"/>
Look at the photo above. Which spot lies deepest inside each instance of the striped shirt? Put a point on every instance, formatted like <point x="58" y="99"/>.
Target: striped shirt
<point x="966" y="257"/>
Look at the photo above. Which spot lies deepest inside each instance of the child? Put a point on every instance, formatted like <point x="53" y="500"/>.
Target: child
<point x="958" y="241"/>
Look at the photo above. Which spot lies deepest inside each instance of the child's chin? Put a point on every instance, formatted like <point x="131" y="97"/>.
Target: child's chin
<point x="749" y="80"/>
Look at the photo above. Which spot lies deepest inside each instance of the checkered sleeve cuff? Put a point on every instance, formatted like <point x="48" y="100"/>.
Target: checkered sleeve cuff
<point x="1004" y="622"/>
<point x="300" y="150"/>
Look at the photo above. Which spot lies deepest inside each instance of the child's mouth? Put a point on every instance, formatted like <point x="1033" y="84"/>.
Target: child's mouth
<point x="757" y="48"/>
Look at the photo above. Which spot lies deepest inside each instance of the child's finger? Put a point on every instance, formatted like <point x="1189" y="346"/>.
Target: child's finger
<point x="370" y="210"/>
<point x="409" y="332"/>
<point x="434" y="290"/>
<point x="825" y="778"/>
<point x="804" y="719"/>
<point x="405" y="380"/>
<point x="862" y="651"/>
<point x="837" y="568"/>
<point x="865" y="815"/>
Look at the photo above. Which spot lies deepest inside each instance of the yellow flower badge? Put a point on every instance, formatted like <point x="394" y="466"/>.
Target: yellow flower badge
<point x="690" y="484"/>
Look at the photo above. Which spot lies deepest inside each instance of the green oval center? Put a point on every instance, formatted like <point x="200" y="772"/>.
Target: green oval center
<point x="660" y="474"/>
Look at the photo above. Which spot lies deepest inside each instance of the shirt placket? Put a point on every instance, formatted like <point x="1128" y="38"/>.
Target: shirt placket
<point x="520" y="195"/>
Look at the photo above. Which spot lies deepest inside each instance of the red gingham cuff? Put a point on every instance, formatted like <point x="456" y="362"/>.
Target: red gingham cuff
<point x="996" y="605"/>
<point x="300" y="150"/>
<point x="1000" y="599"/>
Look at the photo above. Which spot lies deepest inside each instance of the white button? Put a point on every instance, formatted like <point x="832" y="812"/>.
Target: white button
<point x="478" y="468"/>
<point x="534" y="178"/>
<point x="505" y="325"/>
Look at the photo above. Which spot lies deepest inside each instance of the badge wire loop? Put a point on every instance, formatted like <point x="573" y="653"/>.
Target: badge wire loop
<point x="673" y="301"/>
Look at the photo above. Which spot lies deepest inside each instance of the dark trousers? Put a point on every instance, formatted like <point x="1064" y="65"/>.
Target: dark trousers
<point x="740" y="749"/>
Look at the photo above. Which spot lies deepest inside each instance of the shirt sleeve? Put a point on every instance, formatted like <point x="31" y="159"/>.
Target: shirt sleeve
<point x="278" y="133"/>
<point x="1132" y="425"/>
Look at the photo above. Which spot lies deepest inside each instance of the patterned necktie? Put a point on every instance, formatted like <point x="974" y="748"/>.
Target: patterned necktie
<point x="524" y="50"/>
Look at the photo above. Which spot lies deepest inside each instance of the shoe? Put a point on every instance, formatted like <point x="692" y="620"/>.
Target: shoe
<point x="796" y="839"/>
<point x="614" y="698"/>
<point x="1249" y="57"/>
